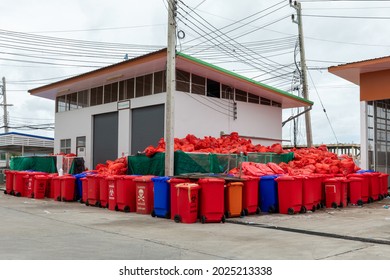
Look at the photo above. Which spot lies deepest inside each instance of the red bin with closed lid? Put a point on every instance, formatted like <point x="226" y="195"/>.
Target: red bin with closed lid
<point x="309" y="193"/>
<point x="40" y="186"/>
<point x="355" y="190"/>
<point x="289" y="194"/>
<point x="84" y="195"/>
<point x="384" y="183"/>
<point x="56" y="187"/>
<point x="19" y="183"/>
<point x="28" y="185"/>
<point x="93" y="190"/>
<point x="332" y="192"/>
<point x="173" y="193"/>
<point x="187" y="200"/>
<point x="365" y="194"/>
<point x="212" y="202"/>
<point x="9" y="181"/>
<point x="126" y="193"/>
<point x="103" y="191"/>
<point x="250" y="195"/>
<point x="111" y="184"/>
<point x="144" y="194"/>
<point x="68" y="187"/>
<point x="49" y="193"/>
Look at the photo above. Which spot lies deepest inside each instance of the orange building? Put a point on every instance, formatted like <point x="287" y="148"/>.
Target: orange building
<point x="373" y="77"/>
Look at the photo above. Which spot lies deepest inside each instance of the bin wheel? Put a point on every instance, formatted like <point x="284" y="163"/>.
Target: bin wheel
<point x="87" y="202"/>
<point x="341" y="205"/>
<point x="334" y="204"/>
<point x="203" y="219"/>
<point x="290" y="211"/>
<point x="177" y="218"/>
<point x="12" y="192"/>
<point x="116" y="208"/>
<point x="370" y="200"/>
<point x="314" y="208"/>
<point x="58" y="198"/>
<point x="32" y="195"/>
<point x="380" y="197"/>
<point x="223" y="219"/>
<point x="153" y="213"/>
<point x="5" y="192"/>
<point x="63" y="199"/>
<point x="271" y="209"/>
<point x="126" y="209"/>
<point x="258" y="210"/>
<point x="360" y="202"/>
<point x="98" y="204"/>
<point x="303" y="210"/>
<point x="228" y="214"/>
<point x="246" y="211"/>
<point x="81" y="201"/>
<point x="242" y="213"/>
<point x="18" y="194"/>
<point x="168" y="215"/>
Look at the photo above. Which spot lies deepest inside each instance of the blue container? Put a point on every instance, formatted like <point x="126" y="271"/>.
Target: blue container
<point x="161" y="197"/>
<point x="79" y="186"/>
<point x="268" y="191"/>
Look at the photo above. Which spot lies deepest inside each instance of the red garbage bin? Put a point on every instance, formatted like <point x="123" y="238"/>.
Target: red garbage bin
<point x="49" y="193"/>
<point x="364" y="186"/>
<point x="375" y="187"/>
<point x="212" y="200"/>
<point x="68" y="186"/>
<point x="332" y="192"/>
<point x="56" y="187"/>
<point x="144" y="194"/>
<point x="40" y="186"/>
<point x="355" y="191"/>
<point x="111" y="184"/>
<point x="19" y="183"/>
<point x="28" y="184"/>
<point x="309" y="193"/>
<point x="173" y="194"/>
<point x="84" y="195"/>
<point x="9" y="182"/>
<point x="384" y="182"/>
<point x="289" y="194"/>
<point x="93" y="190"/>
<point x="126" y="193"/>
<point x="250" y="195"/>
<point x="187" y="199"/>
<point x="103" y="191"/>
<point x="316" y="183"/>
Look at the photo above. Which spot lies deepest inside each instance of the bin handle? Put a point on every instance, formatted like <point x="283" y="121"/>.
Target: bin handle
<point x="334" y="187"/>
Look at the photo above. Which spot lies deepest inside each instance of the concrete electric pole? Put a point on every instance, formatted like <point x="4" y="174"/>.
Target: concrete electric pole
<point x="305" y="90"/>
<point x="171" y="89"/>
<point x="4" y="104"/>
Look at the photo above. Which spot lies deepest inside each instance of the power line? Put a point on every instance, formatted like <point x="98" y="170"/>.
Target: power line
<point x="345" y="17"/>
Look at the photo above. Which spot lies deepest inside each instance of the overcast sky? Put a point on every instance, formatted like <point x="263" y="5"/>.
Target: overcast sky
<point x="336" y="32"/>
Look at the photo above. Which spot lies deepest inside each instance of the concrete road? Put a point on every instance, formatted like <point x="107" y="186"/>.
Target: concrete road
<point x="32" y="229"/>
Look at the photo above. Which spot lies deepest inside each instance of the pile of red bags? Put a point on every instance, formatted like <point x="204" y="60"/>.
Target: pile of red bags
<point x="116" y="167"/>
<point x="229" y="144"/>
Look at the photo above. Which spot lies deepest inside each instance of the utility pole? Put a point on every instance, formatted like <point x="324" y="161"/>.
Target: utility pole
<point x="305" y="89"/>
<point x="171" y="89"/>
<point x="5" y="116"/>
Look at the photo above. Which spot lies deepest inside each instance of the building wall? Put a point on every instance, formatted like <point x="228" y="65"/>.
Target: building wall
<point x="375" y="85"/>
<point x="198" y="115"/>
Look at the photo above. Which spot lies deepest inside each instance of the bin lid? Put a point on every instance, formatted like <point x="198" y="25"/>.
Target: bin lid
<point x="41" y="176"/>
<point x="285" y="178"/>
<point x="146" y="178"/>
<point x="235" y="184"/>
<point x="211" y="180"/>
<point x="160" y="179"/>
<point x="355" y="179"/>
<point x="269" y="177"/>
<point x="177" y="180"/>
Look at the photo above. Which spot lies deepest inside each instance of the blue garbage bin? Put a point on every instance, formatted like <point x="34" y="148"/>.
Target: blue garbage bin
<point x="268" y="194"/>
<point x="79" y="185"/>
<point x="161" y="197"/>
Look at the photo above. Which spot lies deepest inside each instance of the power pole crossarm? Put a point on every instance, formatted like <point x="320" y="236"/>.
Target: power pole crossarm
<point x="305" y="89"/>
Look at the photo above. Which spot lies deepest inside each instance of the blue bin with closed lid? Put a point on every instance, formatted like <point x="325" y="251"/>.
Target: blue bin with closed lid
<point x="162" y="197"/>
<point x="268" y="194"/>
<point x="79" y="185"/>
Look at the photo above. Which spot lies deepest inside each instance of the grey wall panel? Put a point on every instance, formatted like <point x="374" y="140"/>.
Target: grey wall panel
<point x="147" y="127"/>
<point x="105" y="137"/>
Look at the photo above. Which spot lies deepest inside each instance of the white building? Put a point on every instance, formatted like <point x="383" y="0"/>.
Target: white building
<point x="119" y="109"/>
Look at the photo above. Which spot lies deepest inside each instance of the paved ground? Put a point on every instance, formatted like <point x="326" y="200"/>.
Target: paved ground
<point x="46" y="229"/>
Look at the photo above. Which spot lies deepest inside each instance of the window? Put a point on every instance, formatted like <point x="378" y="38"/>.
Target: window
<point x="276" y="104"/>
<point x="253" y="98"/>
<point x="265" y="101"/>
<point x="96" y="96"/>
<point x="111" y="93"/>
<point x="227" y="92"/>
<point x="213" y="89"/>
<point x="126" y="89"/>
<point x="82" y="99"/>
<point x="198" y="85"/>
<point x="241" y="95"/>
<point x="61" y="103"/>
<point x="71" y="101"/>
<point x="182" y="81"/>
<point x="148" y="84"/>
<point x="139" y="87"/>
<point x="65" y="146"/>
<point x="159" y="82"/>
